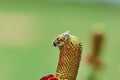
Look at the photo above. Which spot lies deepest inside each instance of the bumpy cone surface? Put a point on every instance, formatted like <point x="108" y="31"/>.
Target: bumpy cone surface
<point x="69" y="60"/>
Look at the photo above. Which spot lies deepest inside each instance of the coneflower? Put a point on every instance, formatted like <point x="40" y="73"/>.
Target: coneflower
<point x="97" y="42"/>
<point x="69" y="57"/>
<point x="93" y="58"/>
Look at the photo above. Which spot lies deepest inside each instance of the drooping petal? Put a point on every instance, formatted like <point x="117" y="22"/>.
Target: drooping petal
<point x="47" y="77"/>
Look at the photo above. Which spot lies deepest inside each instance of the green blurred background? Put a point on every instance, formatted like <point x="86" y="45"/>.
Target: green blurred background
<point x="27" y="29"/>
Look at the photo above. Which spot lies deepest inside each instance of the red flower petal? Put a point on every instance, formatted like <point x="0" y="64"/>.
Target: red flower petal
<point x="53" y="78"/>
<point x="47" y="77"/>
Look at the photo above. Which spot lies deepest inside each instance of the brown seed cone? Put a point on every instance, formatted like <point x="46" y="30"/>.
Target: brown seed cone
<point x="97" y="41"/>
<point x="69" y="60"/>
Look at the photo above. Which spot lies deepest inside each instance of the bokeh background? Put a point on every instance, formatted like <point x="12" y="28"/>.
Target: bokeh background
<point x="28" y="27"/>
